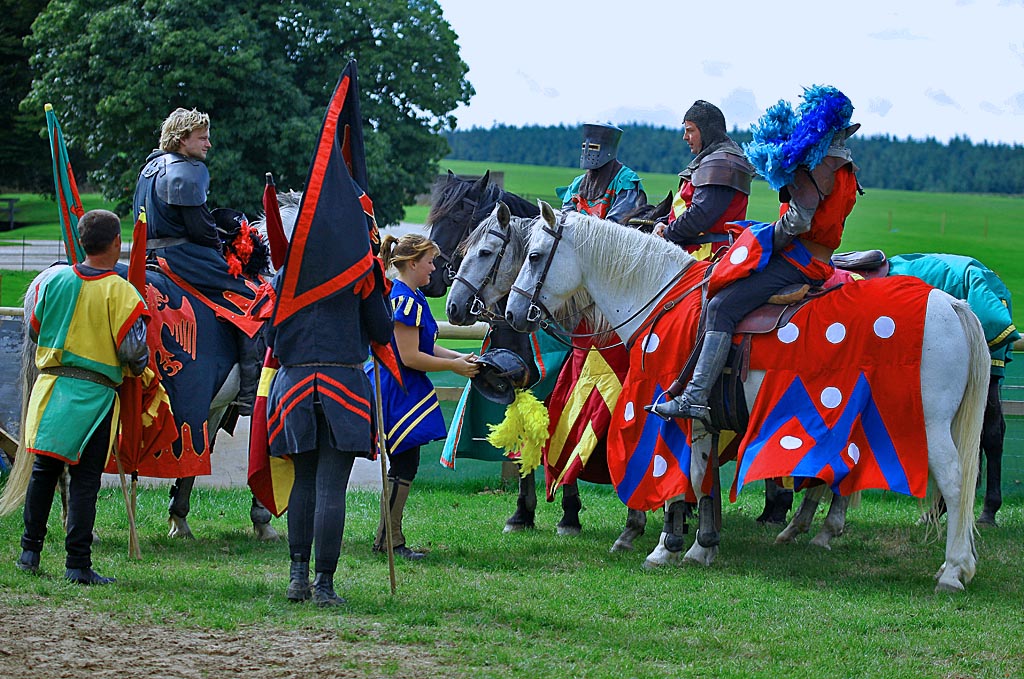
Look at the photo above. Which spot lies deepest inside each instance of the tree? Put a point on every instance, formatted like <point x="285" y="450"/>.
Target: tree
<point x="24" y="157"/>
<point x="264" y="72"/>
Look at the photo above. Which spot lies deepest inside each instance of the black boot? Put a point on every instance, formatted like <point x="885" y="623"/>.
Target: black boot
<point x="693" y="402"/>
<point x="298" y="582"/>
<point x="323" y="591"/>
<point x="250" y="364"/>
<point x="28" y="561"/>
<point x="86" y="576"/>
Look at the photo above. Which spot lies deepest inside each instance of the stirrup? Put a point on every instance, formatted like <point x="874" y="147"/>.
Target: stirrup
<point x="680" y="407"/>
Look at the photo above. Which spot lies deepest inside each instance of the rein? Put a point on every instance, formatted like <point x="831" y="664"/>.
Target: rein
<point x="537" y="308"/>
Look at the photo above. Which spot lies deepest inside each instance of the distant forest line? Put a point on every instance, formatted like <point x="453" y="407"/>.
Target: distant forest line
<point x="959" y="166"/>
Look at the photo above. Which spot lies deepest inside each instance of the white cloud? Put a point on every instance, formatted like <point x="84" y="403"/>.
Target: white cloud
<point x="940" y="97"/>
<point x="536" y="87"/>
<point x="896" y="34"/>
<point x="1016" y="104"/>
<point x="715" y="69"/>
<point x="989" y="107"/>
<point x="879" y="106"/>
<point x="740" y="108"/>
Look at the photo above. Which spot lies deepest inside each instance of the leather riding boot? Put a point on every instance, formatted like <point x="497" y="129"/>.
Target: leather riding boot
<point x="28" y="561"/>
<point x="86" y="576"/>
<point x="323" y="591"/>
<point x="298" y="582"/>
<point x="250" y="364"/>
<point x="693" y="402"/>
<point x="399" y="495"/>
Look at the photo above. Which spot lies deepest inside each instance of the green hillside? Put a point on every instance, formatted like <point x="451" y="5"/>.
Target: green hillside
<point x="983" y="226"/>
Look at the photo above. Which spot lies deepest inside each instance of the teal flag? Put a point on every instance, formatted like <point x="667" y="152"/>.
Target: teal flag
<point x="69" y="205"/>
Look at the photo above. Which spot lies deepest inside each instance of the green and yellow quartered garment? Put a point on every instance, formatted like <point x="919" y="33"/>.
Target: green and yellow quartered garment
<point x="80" y="321"/>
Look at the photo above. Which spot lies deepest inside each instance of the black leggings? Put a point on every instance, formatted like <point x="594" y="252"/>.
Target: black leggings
<point x="316" y="507"/>
<point x="405" y="464"/>
<point x="728" y="307"/>
<point x="82" y="492"/>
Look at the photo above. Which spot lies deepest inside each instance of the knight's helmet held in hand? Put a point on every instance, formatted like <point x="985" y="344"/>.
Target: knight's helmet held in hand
<point x="600" y="145"/>
<point x="501" y="372"/>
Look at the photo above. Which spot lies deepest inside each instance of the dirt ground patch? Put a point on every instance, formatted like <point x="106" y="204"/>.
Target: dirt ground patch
<point x="55" y="643"/>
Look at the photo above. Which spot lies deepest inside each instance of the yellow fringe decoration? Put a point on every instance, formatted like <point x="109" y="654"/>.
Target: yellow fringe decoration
<point x="524" y="430"/>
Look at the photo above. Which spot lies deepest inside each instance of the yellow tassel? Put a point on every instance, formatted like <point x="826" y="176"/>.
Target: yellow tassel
<point x="524" y="430"/>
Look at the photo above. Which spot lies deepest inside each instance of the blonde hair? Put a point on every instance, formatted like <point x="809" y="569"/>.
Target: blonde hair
<point x="179" y="125"/>
<point x="410" y="247"/>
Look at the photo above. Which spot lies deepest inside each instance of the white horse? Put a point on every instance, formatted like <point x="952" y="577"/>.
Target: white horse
<point x="629" y="273"/>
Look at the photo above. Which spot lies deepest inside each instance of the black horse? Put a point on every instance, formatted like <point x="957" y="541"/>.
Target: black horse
<point x="457" y="206"/>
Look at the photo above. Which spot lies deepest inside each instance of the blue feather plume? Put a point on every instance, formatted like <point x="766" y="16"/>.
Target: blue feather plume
<point x="784" y="139"/>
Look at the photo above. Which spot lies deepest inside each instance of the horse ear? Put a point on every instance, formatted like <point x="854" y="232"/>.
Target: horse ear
<point x="481" y="183"/>
<point x="546" y="212"/>
<point x="504" y="214"/>
<point x="664" y="207"/>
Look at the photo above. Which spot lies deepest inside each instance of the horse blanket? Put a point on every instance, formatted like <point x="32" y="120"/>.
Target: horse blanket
<point x="826" y="408"/>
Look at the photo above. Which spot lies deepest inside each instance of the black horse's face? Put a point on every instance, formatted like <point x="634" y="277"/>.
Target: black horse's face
<point x="448" y="233"/>
<point x="452" y="220"/>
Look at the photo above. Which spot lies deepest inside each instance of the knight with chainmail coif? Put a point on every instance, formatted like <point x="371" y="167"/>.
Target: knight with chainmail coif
<point x="713" y="188"/>
<point x="608" y="189"/>
<point x="187" y="240"/>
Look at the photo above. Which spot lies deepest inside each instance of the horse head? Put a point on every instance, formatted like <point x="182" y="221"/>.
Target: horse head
<point x="457" y="206"/>
<point x="491" y="257"/>
<point x="550" y="273"/>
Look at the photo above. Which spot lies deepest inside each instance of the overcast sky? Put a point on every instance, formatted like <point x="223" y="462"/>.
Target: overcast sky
<point x="917" y="68"/>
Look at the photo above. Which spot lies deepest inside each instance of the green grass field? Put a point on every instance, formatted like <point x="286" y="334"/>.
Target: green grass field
<point x="486" y="604"/>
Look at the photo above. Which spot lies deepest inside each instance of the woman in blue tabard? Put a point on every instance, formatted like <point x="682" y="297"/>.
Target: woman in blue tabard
<point x="412" y="416"/>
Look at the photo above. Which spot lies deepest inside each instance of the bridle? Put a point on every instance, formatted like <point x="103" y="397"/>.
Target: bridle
<point x="472" y="206"/>
<point x="537" y="311"/>
<point x="476" y="304"/>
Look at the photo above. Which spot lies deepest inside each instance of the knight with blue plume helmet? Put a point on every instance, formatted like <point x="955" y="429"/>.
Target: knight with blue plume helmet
<point x="802" y="153"/>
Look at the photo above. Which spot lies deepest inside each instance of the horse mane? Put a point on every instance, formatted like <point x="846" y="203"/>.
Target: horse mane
<point x="580" y="306"/>
<point x="623" y="254"/>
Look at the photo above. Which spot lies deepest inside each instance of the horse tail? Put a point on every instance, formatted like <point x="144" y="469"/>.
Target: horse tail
<point x="967" y="422"/>
<point x="17" y="483"/>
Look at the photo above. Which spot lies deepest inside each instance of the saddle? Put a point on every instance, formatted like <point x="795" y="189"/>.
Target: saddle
<point x="727" y="401"/>
<point x="866" y="263"/>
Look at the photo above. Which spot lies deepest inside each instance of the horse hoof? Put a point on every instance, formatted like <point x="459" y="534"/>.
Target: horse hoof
<point x="822" y="541"/>
<point x="265" y="532"/>
<point x="949" y="587"/>
<point x="987" y="520"/>
<point x="568" y="531"/>
<point x="621" y="546"/>
<point x="179" y="528"/>
<point x="517" y="527"/>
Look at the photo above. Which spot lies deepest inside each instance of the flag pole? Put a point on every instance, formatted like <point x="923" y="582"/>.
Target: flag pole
<point x="385" y="492"/>
<point x="133" y="535"/>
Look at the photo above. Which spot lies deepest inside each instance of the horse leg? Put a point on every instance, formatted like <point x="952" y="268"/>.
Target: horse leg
<point x="260" y="517"/>
<point x="778" y="500"/>
<point x="671" y="542"/>
<point x="636" y="522"/>
<point x="801" y="522"/>
<point x="835" y="522"/>
<point x="571" y="506"/>
<point x="526" y="506"/>
<point x="992" y="433"/>
<point x="181" y="493"/>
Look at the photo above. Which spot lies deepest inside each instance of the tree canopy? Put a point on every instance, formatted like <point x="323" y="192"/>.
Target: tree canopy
<point x="264" y="71"/>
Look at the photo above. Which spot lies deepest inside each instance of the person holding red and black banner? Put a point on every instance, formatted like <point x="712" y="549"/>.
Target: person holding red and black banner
<point x="186" y="239"/>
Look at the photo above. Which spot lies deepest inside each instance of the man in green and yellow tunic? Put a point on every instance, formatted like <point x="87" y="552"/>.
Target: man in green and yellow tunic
<point x="89" y="326"/>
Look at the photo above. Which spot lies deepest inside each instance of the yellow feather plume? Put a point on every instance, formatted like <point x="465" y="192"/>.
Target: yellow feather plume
<point x="524" y="430"/>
